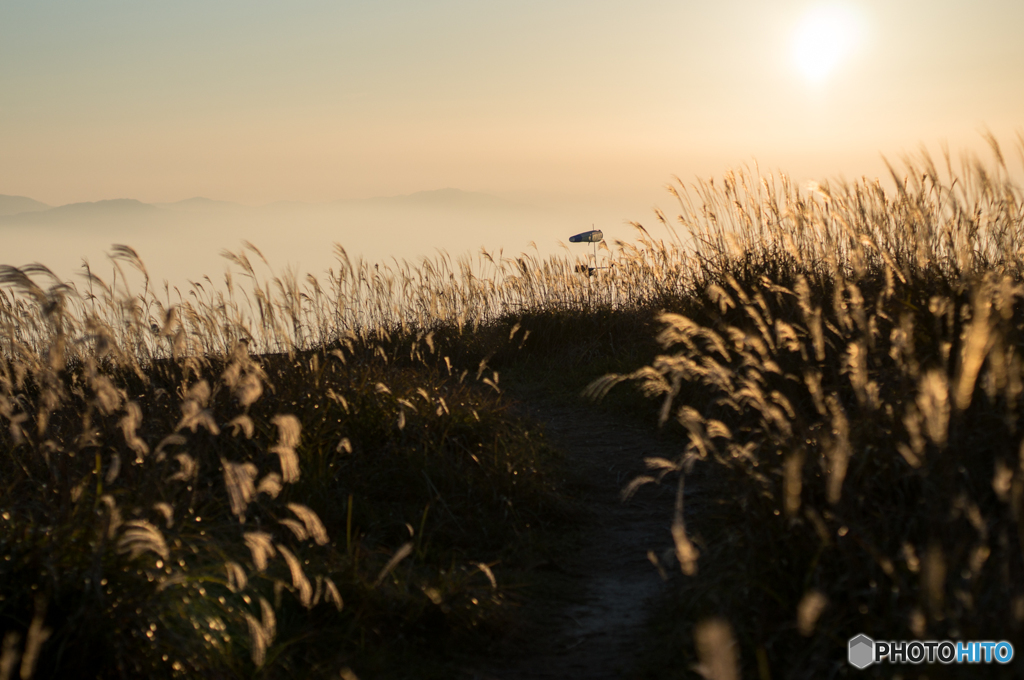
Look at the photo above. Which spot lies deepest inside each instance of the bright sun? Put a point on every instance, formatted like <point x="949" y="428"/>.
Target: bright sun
<point x="824" y="37"/>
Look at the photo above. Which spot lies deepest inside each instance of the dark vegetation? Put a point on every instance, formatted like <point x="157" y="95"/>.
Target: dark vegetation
<point x="281" y="516"/>
<point x="284" y="479"/>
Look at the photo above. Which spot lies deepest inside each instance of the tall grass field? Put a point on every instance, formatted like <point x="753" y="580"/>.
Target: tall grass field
<point x="268" y="476"/>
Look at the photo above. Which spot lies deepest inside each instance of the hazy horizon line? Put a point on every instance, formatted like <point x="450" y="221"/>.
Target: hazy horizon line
<point x="200" y="197"/>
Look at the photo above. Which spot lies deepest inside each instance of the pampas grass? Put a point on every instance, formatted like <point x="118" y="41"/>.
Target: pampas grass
<point x="856" y="354"/>
<point x="220" y="478"/>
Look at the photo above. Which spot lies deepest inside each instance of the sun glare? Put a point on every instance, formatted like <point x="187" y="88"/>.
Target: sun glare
<point x="825" y="36"/>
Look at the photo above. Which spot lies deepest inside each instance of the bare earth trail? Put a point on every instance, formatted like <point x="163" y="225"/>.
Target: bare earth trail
<point x="590" y="604"/>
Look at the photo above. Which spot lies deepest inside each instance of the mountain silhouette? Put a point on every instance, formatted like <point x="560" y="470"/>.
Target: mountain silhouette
<point x="114" y="210"/>
<point x="12" y="205"/>
<point x="26" y="211"/>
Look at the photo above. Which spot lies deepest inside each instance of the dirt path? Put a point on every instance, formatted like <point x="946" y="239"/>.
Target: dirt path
<point x="589" y="607"/>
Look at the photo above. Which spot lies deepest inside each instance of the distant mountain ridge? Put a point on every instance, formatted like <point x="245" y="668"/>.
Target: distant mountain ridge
<point x="116" y="208"/>
<point x="113" y="204"/>
<point x="26" y="211"/>
<point x="12" y="205"/>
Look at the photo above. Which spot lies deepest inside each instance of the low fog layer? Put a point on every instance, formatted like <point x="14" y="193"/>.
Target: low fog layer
<point x="182" y="241"/>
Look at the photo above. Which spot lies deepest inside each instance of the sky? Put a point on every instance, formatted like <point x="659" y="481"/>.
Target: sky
<point x="552" y="102"/>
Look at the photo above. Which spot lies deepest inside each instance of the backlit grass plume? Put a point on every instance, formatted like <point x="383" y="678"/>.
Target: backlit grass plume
<point x="849" y="380"/>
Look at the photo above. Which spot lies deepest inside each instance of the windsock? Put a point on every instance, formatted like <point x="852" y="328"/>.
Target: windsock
<point x="593" y="236"/>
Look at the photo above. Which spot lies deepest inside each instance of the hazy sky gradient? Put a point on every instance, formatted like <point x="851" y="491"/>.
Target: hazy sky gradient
<point x="261" y="101"/>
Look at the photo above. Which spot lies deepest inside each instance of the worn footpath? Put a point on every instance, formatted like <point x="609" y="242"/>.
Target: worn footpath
<point x="587" y="607"/>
